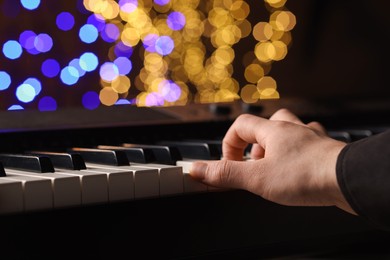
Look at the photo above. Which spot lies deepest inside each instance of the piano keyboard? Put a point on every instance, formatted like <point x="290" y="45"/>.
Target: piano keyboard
<point x="37" y="180"/>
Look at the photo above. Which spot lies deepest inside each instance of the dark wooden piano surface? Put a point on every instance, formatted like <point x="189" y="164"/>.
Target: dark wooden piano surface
<point x="212" y="225"/>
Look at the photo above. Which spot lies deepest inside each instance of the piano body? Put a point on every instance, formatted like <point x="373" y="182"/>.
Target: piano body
<point x="189" y="221"/>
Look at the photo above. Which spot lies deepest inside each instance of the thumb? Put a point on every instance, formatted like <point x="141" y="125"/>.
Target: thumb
<point x="224" y="173"/>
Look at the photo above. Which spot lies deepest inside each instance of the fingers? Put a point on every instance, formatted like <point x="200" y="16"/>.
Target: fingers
<point x="257" y="152"/>
<point x="245" y="130"/>
<point x="285" y="115"/>
<point x="225" y="174"/>
<point x="318" y="127"/>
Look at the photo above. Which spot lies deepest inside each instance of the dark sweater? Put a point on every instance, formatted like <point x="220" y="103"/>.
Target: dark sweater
<point x="363" y="173"/>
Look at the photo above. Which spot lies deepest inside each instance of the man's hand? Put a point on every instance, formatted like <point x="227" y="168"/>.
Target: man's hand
<point x="292" y="163"/>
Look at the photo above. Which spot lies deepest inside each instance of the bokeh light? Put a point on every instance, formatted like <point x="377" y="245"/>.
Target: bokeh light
<point x="91" y="100"/>
<point x="25" y="93"/>
<point x="35" y="83"/>
<point x="12" y="50"/>
<point x="109" y="71"/>
<point x="30" y="4"/>
<point x="69" y="75"/>
<point x="15" y="107"/>
<point x="5" y="80"/>
<point x="47" y="104"/>
<point x="88" y="61"/>
<point x="43" y="42"/>
<point x="88" y="33"/>
<point x="176" y="21"/>
<point x="65" y="21"/>
<point x="50" y="68"/>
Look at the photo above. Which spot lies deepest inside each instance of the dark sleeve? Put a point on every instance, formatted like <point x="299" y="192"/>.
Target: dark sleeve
<point x="363" y="173"/>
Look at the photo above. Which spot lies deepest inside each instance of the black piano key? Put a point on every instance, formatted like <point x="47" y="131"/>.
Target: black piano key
<point x="216" y="143"/>
<point x="2" y="171"/>
<point x="162" y="154"/>
<point x="100" y="156"/>
<point x="340" y="135"/>
<point x="136" y="155"/>
<point x="357" y="134"/>
<point x="68" y="161"/>
<point x="195" y="150"/>
<point x="41" y="164"/>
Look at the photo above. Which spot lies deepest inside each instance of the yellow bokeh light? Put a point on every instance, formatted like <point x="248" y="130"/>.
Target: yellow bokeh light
<point x="203" y="55"/>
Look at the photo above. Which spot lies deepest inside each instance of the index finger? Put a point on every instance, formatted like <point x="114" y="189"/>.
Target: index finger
<point x="246" y="129"/>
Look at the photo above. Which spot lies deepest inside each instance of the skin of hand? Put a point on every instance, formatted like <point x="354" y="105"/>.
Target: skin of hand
<point x="292" y="163"/>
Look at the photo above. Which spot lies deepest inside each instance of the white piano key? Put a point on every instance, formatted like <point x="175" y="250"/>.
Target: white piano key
<point x="120" y="184"/>
<point x="66" y="189"/>
<point x="190" y="184"/>
<point x="146" y="181"/>
<point x="94" y="186"/>
<point x="38" y="194"/>
<point x="11" y="196"/>
<point x="171" y="177"/>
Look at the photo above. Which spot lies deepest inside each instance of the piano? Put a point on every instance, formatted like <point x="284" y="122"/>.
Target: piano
<point x="112" y="182"/>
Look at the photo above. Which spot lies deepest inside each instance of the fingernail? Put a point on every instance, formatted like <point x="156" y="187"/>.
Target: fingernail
<point x="198" y="170"/>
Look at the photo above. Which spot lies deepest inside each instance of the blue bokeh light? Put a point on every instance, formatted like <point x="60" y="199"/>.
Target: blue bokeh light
<point x="164" y="45"/>
<point x="169" y="90"/>
<point x="176" y="21"/>
<point x="15" y="107"/>
<point x="12" y="50"/>
<point x="128" y="6"/>
<point x="98" y="21"/>
<point x="65" y="21"/>
<point x="88" y="33"/>
<point x="26" y="39"/>
<point x="89" y="61"/>
<point x="110" y="33"/>
<point x="43" y="42"/>
<point x="30" y="4"/>
<point x="149" y="42"/>
<point x="122" y="50"/>
<point x="75" y="63"/>
<point x="5" y="80"/>
<point x="25" y="93"/>
<point x="69" y="75"/>
<point x="50" y="68"/>
<point x="124" y="65"/>
<point x="91" y="100"/>
<point x="47" y="104"/>
<point x="109" y="71"/>
<point x="162" y="2"/>
<point x="123" y="102"/>
<point x="35" y="83"/>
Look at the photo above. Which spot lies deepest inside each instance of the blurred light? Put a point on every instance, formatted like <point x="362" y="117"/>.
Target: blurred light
<point x="169" y="90"/>
<point x="176" y="21"/>
<point x="88" y="33"/>
<point x="5" y="80"/>
<point x="164" y="45"/>
<point x="153" y="99"/>
<point x="162" y="2"/>
<point x="124" y="65"/>
<point x="69" y="75"/>
<point x="90" y="100"/>
<point x="98" y="21"/>
<point x="30" y="4"/>
<point x="123" y="102"/>
<point x="15" y="107"/>
<point x="35" y="83"/>
<point x="27" y="40"/>
<point x="122" y="50"/>
<point x="128" y="6"/>
<point x="25" y="93"/>
<point x="109" y="71"/>
<point x="75" y="63"/>
<point x="150" y="42"/>
<point x="65" y="21"/>
<point x="12" y="50"/>
<point x="110" y="33"/>
<point x="50" y="68"/>
<point x="43" y="42"/>
<point x="89" y="61"/>
<point x="47" y="104"/>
